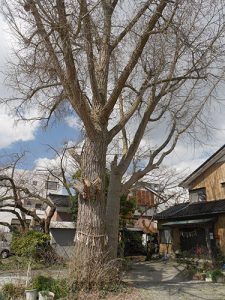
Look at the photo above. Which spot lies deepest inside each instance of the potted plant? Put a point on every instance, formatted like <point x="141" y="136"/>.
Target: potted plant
<point x="31" y="294"/>
<point x="46" y="295"/>
<point x="217" y="276"/>
<point x="208" y="277"/>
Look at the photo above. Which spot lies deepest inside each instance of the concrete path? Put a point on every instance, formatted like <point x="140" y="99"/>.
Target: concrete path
<point x="159" y="281"/>
<point x="149" y="273"/>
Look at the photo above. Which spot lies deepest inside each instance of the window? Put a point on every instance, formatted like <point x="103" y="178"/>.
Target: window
<point x="28" y="203"/>
<point x="35" y="182"/>
<point x="51" y="185"/>
<point x="198" y="195"/>
<point x="38" y="205"/>
<point x="223" y="184"/>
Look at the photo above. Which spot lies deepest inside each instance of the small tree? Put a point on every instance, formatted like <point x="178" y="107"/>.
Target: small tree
<point x="16" y="189"/>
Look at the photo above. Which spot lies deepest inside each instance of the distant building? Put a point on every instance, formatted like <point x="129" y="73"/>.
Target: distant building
<point x="62" y="227"/>
<point x="41" y="183"/>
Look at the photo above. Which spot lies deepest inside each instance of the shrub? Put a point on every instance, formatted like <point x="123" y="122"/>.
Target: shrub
<point x="215" y="274"/>
<point x="11" y="291"/>
<point x="58" y="286"/>
<point x="29" y="243"/>
<point x="2" y="297"/>
<point x="133" y="243"/>
<point x="42" y="283"/>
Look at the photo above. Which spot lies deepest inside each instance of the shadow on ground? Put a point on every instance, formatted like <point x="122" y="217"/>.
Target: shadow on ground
<point x="151" y="273"/>
<point x="159" y="281"/>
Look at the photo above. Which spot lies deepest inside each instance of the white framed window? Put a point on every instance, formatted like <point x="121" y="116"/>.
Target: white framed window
<point x="51" y="185"/>
<point x="198" y="195"/>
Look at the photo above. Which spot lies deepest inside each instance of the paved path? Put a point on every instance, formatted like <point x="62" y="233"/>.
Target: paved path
<point x="159" y="281"/>
<point x="143" y="274"/>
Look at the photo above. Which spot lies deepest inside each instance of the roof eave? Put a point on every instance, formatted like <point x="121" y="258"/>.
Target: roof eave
<point x="203" y="167"/>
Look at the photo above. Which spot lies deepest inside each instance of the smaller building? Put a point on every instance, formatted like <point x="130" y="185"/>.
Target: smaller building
<point x="62" y="227"/>
<point x="198" y="226"/>
<point x="140" y="225"/>
<point x="188" y="227"/>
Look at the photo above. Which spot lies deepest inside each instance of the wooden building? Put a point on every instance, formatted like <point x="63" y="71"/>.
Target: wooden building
<point x="197" y="227"/>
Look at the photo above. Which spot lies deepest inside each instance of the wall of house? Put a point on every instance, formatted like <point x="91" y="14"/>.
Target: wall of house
<point x="144" y="197"/>
<point x="63" y="241"/>
<point x="146" y="224"/>
<point x="211" y="179"/>
<point x="219" y="233"/>
<point x="62" y="216"/>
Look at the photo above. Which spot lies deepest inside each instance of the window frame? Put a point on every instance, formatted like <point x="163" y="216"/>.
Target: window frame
<point x="47" y="187"/>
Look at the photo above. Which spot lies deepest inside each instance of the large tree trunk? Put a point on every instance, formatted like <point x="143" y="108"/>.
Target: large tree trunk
<point x="91" y="240"/>
<point x="112" y="212"/>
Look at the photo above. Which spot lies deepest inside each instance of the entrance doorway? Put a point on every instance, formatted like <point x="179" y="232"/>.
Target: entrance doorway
<point x="192" y="240"/>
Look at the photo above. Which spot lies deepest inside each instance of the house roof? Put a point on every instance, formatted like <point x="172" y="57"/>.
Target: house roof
<point x="197" y="209"/>
<point x="62" y="225"/>
<point x="208" y="163"/>
<point x="60" y="200"/>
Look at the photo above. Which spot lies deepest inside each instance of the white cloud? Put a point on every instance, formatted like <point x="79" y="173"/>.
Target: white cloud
<point x="54" y="164"/>
<point x="11" y="131"/>
<point x="74" y="122"/>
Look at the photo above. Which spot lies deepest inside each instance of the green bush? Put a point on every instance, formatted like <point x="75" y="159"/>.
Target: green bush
<point x="11" y="291"/>
<point x="133" y="243"/>
<point x="2" y="297"/>
<point x="215" y="274"/>
<point x="27" y="244"/>
<point x="58" y="286"/>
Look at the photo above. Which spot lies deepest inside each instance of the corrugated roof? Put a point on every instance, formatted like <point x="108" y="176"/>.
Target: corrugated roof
<point x="196" y="209"/>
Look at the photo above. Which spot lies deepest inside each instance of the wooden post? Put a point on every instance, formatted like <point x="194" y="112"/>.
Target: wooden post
<point x="208" y="243"/>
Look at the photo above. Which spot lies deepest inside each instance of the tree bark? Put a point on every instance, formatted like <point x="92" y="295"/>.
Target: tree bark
<point x="113" y="212"/>
<point x="90" y="239"/>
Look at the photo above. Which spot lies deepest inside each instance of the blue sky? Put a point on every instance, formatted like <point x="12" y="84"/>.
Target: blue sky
<point x="54" y="135"/>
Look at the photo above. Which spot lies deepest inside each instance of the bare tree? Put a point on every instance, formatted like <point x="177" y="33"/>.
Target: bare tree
<point x="121" y="66"/>
<point x="16" y="190"/>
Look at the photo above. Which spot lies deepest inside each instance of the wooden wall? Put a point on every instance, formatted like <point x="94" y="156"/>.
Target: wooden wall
<point x="144" y="197"/>
<point x="211" y="179"/>
<point x="219" y="233"/>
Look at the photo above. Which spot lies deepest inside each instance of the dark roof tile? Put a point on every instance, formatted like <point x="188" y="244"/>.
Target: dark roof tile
<point x="188" y="209"/>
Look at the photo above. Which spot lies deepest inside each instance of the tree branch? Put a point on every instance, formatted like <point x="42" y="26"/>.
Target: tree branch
<point x="132" y="61"/>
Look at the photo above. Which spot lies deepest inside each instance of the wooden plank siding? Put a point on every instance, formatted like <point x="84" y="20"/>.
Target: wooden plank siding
<point x="211" y="179"/>
<point x="144" y="198"/>
<point x="219" y="232"/>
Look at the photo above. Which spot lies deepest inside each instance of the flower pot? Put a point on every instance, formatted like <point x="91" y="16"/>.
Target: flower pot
<point x="45" y="295"/>
<point x="220" y="279"/>
<point x="31" y="294"/>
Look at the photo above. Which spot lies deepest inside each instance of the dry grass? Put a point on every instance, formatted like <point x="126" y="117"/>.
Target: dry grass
<point x="95" y="274"/>
<point x="127" y="294"/>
